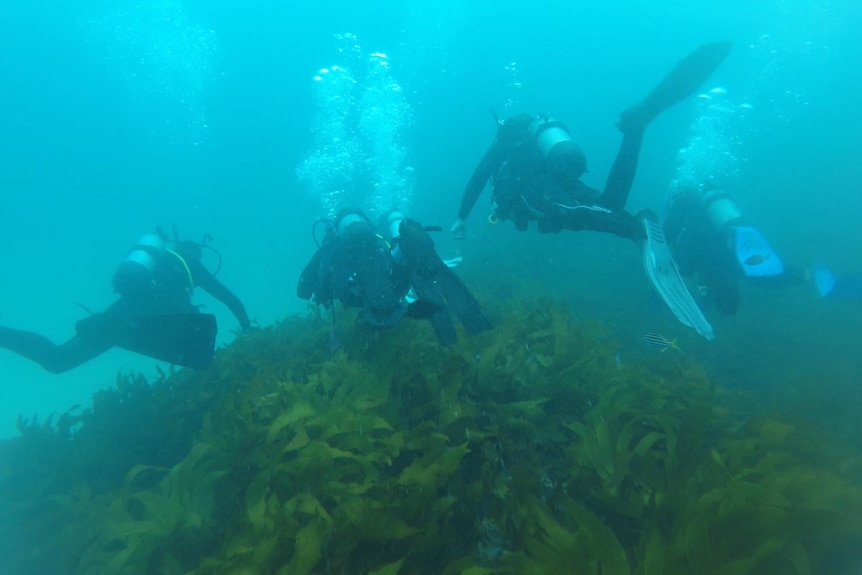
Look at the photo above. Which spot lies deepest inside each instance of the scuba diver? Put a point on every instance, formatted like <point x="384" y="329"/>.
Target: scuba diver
<point x="535" y="171"/>
<point x="153" y="316"/>
<point x="711" y="240"/>
<point x="389" y="278"/>
<point x="535" y="167"/>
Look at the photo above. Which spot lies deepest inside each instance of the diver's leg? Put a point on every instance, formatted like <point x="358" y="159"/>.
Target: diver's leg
<point x="682" y="81"/>
<point x="597" y="218"/>
<point x="686" y="77"/>
<point x="723" y="288"/>
<point x="54" y="358"/>
<point x="622" y="174"/>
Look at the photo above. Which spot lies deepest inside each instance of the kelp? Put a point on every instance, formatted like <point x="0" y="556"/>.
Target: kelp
<point x="773" y="507"/>
<point x="529" y="449"/>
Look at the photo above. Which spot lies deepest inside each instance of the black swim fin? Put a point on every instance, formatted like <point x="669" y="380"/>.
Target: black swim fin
<point x="444" y="327"/>
<point x="422" y="309"/>
<point x="446" y="284"/>
<point x="463" y="303"/>
<point x="686" y="77"/>
<point x="187" y="340"/>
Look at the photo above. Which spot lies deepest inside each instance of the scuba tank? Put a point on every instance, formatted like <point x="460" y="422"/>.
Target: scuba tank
<point x="548" y="132"/>
<point x="565" y="159"/>
<point x="721" y="210"/>
<point x="347" y="218"/>
<point x="755" y="256"/>
<point x="136" y="271"/>
<point x="335" y="227"/>
<point x="393" y="225"/>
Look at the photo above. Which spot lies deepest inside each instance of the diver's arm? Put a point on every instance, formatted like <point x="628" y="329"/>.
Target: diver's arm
<point x="490" y="162"/>
<point x="218" y="290"/>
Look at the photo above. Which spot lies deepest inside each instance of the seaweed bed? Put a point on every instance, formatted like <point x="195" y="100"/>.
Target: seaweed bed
<point x="526" y="450"/>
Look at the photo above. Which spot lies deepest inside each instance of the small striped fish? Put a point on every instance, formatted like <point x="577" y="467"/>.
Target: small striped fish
<point x="658" y="342"/>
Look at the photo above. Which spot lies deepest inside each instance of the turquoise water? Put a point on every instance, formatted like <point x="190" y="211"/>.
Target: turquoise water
<point x="120" y="116"/>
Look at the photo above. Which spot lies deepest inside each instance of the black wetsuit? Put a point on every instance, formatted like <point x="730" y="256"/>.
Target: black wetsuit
<point x="706" y="254"/>
<point x="360" y="268"/>
<point x="355" y="267"/>
<point x="136" y="316"/>
<point x="526" y="189"/>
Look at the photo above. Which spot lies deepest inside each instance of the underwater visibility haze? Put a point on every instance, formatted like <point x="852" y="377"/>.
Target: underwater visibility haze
<point x="589" y="431"/>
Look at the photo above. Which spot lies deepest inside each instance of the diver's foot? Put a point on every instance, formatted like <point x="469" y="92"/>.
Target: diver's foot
<point x="680" y="83"/>
<point x="633" y="120"/>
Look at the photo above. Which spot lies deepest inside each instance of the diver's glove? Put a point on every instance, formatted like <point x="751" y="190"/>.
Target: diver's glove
<point x="752" y="251"/>
<point x="459" y="229"/>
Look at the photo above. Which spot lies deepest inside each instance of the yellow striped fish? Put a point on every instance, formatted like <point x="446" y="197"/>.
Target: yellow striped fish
<point x="658" y="342"/>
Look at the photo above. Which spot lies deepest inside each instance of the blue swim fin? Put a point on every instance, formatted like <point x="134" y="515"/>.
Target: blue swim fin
<point x="754" y="254"/>
<point x="845" y="287"/>
<point x="824" y="281"/>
